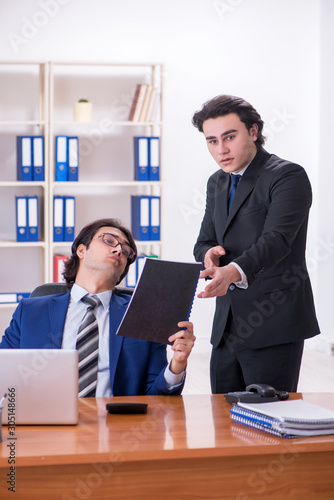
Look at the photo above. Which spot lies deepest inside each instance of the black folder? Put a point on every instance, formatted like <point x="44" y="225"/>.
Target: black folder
<point x="162" y="298"/>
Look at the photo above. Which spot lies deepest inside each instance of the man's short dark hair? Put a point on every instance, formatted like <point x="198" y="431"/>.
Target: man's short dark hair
<point x="223" y="105"/>
<point x="85" y="237"/>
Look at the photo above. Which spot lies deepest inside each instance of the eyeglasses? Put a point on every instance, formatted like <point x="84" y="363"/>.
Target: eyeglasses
<point x="112" y="241"/>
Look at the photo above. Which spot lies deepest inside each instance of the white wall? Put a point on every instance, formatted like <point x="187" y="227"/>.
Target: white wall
<point x="275" y="53"/>
<point x="324" y="250"/>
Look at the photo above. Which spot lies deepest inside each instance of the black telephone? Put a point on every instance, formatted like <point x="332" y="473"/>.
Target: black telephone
<point x="256" y="393"/>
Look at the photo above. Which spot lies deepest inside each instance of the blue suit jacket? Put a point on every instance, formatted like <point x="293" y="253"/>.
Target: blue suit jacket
<point x="136" y="366"/>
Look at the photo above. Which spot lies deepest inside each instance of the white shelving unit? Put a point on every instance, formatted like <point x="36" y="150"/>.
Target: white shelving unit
<point x="106" y="160"/>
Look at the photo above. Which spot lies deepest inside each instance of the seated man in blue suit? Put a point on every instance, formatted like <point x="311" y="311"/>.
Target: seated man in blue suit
<point x="101" y="256"/>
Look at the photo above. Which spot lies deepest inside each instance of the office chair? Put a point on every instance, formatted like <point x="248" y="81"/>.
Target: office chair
<point x="53" y="288"/>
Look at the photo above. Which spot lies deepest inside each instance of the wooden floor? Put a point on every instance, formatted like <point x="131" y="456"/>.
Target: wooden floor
<point x="317" y="373"/>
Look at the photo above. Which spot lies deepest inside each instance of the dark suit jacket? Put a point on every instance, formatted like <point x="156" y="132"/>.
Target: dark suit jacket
<point x="136" y="366"/>
<point x="265" y="234"/>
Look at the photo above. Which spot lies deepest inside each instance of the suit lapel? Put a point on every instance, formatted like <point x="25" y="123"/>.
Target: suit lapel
<point x="247" y="184"/>
<point x="222" y="192"/>
<point x="58" y="306"/>
<point x="117" y="310"/>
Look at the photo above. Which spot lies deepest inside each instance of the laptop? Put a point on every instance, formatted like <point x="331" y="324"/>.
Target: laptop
<point x="41" y="386"/>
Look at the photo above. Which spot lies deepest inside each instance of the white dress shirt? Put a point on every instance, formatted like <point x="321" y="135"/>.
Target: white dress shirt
<point x="75" y="313"/>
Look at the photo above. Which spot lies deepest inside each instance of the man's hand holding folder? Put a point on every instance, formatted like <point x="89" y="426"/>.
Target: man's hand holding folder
<point x="183" y="342"/>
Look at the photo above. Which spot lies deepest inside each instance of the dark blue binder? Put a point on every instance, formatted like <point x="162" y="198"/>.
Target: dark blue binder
<point x="58" y="218"/>
<point x="21" y="218"/>
<point x="141" y="158"/>
<point x="61" y="158"/>
<point x="38" y="158"/>
<point x="72" y="159"/>
<point x="154" y="218"/>
<point x="12" y="297"/>
<point x="24" y="158"/>
<point x="140" y="217"/>
<point x="33" y="215"/>
<point x="154" y="159"/>
<point x="69" y="218"/>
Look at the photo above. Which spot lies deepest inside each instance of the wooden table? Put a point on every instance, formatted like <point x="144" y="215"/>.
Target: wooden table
<point x="184" y="448"/>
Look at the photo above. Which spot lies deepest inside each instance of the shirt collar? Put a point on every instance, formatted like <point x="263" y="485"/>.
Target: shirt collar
<point x="77" y="292"/>
<point x="241" y="171"/>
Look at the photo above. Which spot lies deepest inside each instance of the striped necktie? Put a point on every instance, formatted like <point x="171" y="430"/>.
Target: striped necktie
<point x="235" y="178"/>
<point x="88" y="349"/>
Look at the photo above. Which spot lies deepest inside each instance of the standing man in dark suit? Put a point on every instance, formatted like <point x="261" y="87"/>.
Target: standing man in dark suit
<point x="252" y="244"/>
<point x="101" y="256"/>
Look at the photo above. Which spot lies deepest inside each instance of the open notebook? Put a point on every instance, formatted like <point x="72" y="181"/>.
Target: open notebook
<point x="41" y="386"/>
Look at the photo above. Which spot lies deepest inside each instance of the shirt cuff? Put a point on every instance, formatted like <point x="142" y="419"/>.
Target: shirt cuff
<point x="243" y="283"/>
<point x="173" y="380"/>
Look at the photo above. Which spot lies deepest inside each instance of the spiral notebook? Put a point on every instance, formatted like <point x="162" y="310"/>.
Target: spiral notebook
<point x="163" y="297"/>
<point x="286" y="418"/>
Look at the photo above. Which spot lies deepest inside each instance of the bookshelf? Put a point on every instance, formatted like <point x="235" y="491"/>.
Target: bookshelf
<point x="38" y="99"/>
<point x="106" y="157"/>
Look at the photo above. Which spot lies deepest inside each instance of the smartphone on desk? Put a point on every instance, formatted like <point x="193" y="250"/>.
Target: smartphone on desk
<point x="256" y="393"/>
<point x="126" y="408"/>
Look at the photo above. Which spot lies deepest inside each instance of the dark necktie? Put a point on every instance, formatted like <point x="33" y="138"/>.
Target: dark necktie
<point x="234" y="180"/>
<point x="88" y="349"/>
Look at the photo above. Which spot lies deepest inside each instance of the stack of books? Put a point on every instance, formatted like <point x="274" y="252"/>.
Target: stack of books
<point x="144" y="104"/>
<point x="287" y="419"/>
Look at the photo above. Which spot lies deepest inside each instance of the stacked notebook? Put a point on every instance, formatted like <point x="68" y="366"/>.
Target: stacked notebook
<point x="286" y="418"/>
